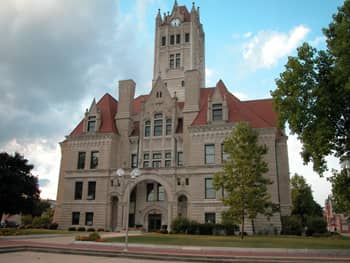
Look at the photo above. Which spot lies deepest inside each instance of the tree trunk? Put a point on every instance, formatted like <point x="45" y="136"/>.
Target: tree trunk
<point x="242" y="228"/>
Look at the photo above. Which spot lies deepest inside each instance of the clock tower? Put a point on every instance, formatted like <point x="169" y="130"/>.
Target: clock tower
<point x="179" y="47"/>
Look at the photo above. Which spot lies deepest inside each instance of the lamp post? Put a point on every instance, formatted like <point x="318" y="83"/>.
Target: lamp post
<point x="134" y="173"/>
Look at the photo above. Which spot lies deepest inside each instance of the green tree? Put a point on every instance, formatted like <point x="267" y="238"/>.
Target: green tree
<point x="19" y="189"/>
<point x="303" y="203"/>
<point x="242" y="176"/>
<point x="341" y="191"/>
<point x="313" y="94"/>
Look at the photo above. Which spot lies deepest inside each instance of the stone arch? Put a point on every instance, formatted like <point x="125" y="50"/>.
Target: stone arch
<point x="130" y="186"/>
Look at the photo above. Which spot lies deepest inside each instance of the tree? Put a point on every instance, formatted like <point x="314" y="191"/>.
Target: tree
<point x="19" y="189"/>
<point x="242" y="176"/>
<point x="303" y="203"/>
<point x="313" y="94"/>
<point x="341" y="191"/>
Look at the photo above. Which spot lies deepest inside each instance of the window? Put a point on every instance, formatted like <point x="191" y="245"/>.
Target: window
<point x="163" y="40"/>
<point x="167" y="159"/>
<point x="146" y="160"/>
<point x="217" y="112"/>
<point x="172" y="40"/>
<point x="182" y="83"/>
<point x="91" y="127"/>
<point x="157" y="159"/>
<point x="75" y="218"/>
<point x="224" y="155"/>
<point x="91" y="190"/>
<point x="158" y="124"/>
<point x="78" y="192"/>
<point x="94" y="160"/>
<point x="178" y="181"/>
<point x="209" y="150"/>
<point x="89" y="218"/>
<point x="150" y="192"/>
<point x="147" y="128"/>
<point x="178" y="39"/>
<point x="171" y="61"/>
<point x="187" y="181"/>
<point x="210" y="192"/>
<point x="161" y="192"/>
<point x="180" y="159"/>
<point x="168" y="128"/>
<point x="134" y="160"/>
<point x="209" y="218"/>
<point x="187" y="37"/>
<point x="177" y="62"/>
<point x="81" y="160"/>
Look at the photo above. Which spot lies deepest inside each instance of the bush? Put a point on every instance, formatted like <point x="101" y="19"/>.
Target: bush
<point x="180" y="225"/>
<point x="72" y="228"/>
<point x="94" y="236"/>
<point x="206" y="229"/>
<point x="100" y="229"/>
<point x="291" y="225"/>
<point x="91" y="229"/>
<point x="315" y="225"/>
<point x="36" y="222"/>
<point x="27" y="219"/>
<point x="81" y="229"/>
<point x="53" y="225"/>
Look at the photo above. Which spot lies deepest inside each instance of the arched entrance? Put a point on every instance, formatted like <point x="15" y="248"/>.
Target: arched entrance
<point x="182" y="206"/>
<point x="150" y="203"/>
<point x="114" y="213"/>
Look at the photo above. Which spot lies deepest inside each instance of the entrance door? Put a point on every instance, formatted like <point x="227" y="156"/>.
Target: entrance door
<point x="154" y="222"/>
<point x="114" y="213"/>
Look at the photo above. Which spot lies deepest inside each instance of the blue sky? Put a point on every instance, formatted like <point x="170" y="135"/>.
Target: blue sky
<point x="57" y="55"/>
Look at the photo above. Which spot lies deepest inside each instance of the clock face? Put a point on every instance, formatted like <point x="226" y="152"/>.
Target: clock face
<point x="175" y="22"/>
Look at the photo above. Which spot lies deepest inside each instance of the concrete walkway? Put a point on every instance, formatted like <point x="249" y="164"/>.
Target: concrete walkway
<point x="65" y="244"/>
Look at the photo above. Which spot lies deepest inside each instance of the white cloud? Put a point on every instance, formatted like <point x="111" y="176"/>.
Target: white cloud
<point x="45" y="156"/>
<point x="320" y="186"/>
<point x="317" y="41"/>
<point x="248" y="35"/>
<point x="267" y="47"/>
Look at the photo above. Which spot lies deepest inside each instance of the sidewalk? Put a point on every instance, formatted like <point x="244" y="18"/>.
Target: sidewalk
<point x="66" y="244"/>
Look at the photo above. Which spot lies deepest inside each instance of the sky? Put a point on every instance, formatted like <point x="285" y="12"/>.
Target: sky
<point x="57" y="55"/>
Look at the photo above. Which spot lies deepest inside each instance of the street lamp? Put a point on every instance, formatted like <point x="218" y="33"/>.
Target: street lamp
<point x="134" y="174"/>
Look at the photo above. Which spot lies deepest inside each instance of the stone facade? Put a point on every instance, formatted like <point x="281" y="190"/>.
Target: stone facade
<point x="148" y="159"/>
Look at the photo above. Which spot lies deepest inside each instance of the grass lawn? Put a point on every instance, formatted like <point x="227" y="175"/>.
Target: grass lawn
<point x="235" y="241"/>
<point x="14" y="231"/>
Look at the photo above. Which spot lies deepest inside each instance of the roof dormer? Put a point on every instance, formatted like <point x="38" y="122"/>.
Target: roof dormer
<point x="92" y="120"/>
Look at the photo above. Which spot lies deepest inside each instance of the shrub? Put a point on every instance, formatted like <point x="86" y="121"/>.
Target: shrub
<point x="36" y="222"/>
<point x="94" y="236"/>
<point x="100" y="229"/>
<point x="180" y="225"/>
<point x="27" y="219"/>
<point x="53" y="225"/>
<point x="291" y="225"/>
<point x="315" y="225"/>
<point x="91" y="229"/>
<point x="81" y="229"/>
<point x="72" y="228"/>
<point x="206" y="229"/>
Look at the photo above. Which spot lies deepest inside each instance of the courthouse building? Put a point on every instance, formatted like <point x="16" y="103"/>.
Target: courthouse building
<point x="145" y="160"/>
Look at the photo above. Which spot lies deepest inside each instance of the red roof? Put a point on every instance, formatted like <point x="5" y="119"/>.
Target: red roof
<point x="184" y="11"/>
<point x="108" y="107"/>
<point x="258" y="113"/>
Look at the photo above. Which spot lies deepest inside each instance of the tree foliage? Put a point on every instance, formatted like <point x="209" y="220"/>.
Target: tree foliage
<point x="19" y="189"/>
<point x="303" y="203"/>
<point x="313" y="94"/>
<point x="341" y="191"/>
<point x="242" y="176"/>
